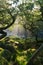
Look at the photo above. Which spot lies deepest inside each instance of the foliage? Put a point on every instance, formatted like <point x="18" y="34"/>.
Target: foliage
<point x="19" y="51"/>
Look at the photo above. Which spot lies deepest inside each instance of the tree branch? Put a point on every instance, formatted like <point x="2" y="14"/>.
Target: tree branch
<point x="13" y="18"/>
<point x="3" y="34"/>
<point x="34" y="55"/>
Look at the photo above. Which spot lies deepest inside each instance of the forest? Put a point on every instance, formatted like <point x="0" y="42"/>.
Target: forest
<point x="21" y="32"/>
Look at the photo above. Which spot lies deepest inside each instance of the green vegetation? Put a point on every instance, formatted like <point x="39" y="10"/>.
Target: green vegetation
<point x="21" y="56"/>
<point x="28" y="15"/>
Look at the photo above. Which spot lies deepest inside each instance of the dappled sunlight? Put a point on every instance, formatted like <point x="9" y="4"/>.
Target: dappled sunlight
<point x="21" y="32"/>
<point x="1" y="50"/>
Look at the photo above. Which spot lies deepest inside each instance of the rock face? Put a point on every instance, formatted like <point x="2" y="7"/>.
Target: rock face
<point x="18" y="30"/>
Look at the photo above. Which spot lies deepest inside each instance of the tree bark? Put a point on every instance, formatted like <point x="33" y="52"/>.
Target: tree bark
<point x="3" y="34"/>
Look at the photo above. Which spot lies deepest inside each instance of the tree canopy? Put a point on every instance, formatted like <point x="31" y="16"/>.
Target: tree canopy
<point x="20" y="51"/>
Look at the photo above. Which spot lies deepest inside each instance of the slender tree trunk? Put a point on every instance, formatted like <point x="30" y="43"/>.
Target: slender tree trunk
<point x="34" y="55"/>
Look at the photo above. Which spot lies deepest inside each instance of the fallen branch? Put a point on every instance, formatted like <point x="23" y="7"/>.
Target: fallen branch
<point x="34" y="55"/>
